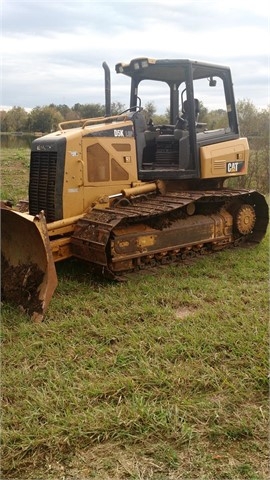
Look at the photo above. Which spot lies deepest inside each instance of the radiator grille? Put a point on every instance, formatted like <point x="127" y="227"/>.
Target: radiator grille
<point x="42" y="184"/>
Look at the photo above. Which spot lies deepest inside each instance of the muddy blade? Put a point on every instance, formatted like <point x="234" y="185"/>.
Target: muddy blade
<point x="28" y="275"/>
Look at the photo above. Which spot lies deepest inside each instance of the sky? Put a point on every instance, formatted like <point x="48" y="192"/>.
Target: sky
<point x="52" y="51"/>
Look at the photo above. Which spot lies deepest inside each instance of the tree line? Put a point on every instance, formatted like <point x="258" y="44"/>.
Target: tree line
<point x="47" y="118"/>
<point x="253" y="123"/>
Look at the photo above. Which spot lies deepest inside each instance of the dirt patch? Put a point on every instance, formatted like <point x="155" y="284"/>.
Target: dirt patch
<point x="19" y="285"/>
<point x="107" y="462"/>
<point x="183" y="312"/>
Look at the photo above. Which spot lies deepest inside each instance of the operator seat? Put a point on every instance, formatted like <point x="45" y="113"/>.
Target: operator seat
<point x="185" y="109"/>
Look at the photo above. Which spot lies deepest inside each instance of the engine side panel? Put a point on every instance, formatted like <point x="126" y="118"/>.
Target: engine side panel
<point x="225" y="159"/>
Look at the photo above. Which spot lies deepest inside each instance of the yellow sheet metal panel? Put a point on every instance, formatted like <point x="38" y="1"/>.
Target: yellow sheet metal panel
<point x="225" y="159"/>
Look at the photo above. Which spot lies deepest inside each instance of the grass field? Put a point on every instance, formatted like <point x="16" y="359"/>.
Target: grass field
<point x="14" y="173"/>
<point x="164" y="376"/>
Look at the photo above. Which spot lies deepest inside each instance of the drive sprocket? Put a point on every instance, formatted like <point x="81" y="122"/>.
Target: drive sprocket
<point x="245" y="219"/>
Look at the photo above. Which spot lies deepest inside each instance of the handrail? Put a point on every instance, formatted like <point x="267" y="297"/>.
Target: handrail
<point x="83" y="122"/>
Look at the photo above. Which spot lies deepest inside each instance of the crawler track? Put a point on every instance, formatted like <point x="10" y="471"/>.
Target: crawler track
<point x="160" y="229"/>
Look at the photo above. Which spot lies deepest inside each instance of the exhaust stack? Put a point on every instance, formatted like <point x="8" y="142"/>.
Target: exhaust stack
<point x="107" y="89"/>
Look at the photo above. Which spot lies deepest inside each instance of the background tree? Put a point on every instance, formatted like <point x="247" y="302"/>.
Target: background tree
<point x="116" y="108"/>
<point x="16" y="120"/>
<point x="158" y="119"/>
<point x="254" y="125"/>
<point x="64" y="109"/>
<point x="3" y="120"/>
<point x="88" y="110"/>
<point x="44" y="119"/>
<point x="214" y="118"/>
<point x="92" y="110"/>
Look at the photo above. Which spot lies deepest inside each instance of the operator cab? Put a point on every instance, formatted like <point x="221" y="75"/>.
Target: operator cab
<point x="171" y="151"/>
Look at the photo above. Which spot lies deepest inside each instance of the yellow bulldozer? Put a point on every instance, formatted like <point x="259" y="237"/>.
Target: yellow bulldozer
<point x="123" y="193"/>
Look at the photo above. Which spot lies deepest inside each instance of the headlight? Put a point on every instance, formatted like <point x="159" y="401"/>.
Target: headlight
<point x="144" y="63"/>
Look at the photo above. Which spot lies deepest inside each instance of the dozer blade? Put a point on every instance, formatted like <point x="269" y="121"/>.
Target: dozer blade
<point x="28" y="275"/>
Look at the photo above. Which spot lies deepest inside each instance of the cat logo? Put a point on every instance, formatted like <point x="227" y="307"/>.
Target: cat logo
<point x="234" y="167"/>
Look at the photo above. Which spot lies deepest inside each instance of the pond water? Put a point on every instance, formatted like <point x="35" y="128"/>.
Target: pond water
<point x="16" y="141"/>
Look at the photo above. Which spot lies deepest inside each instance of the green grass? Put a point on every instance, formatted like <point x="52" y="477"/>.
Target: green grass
<point x="14" y="173"/>
<point x="164" y="376"/>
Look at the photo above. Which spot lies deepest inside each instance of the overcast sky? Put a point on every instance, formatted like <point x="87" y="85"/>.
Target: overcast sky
<point x="52" y="51"/>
